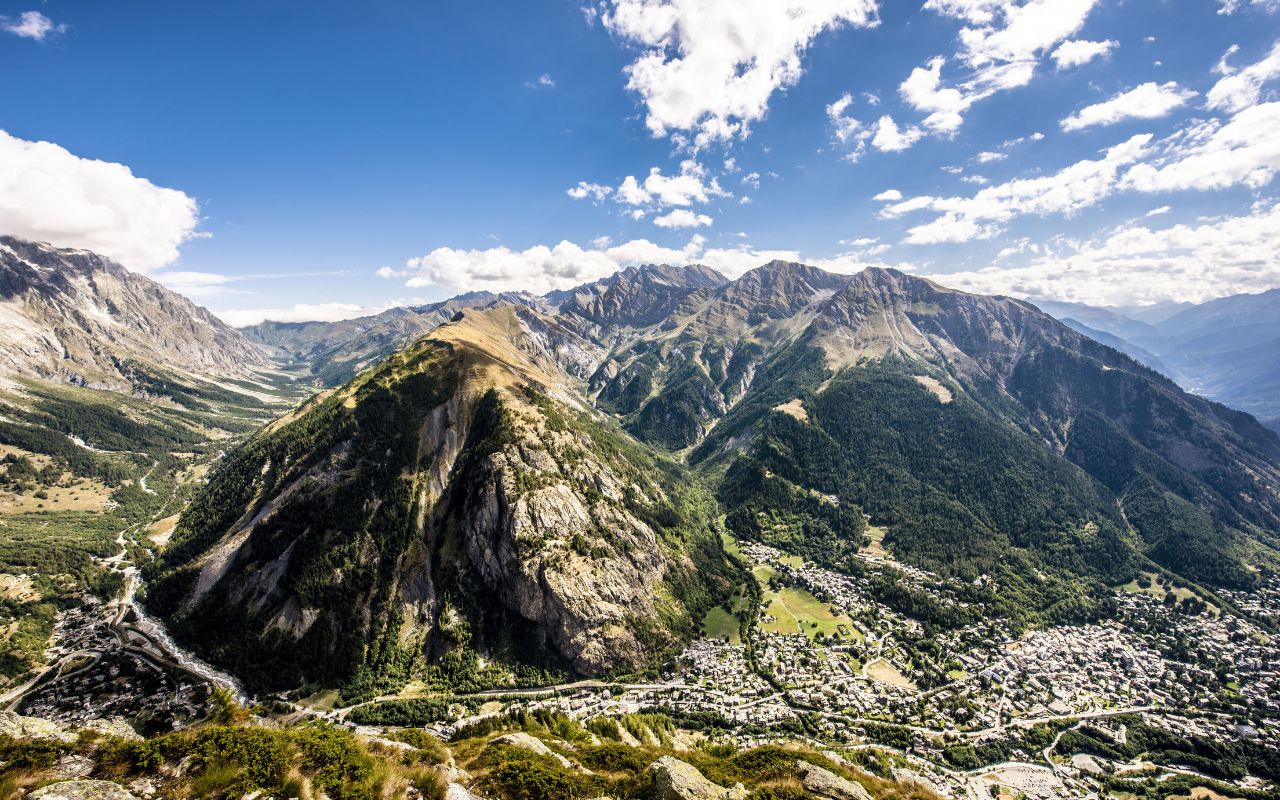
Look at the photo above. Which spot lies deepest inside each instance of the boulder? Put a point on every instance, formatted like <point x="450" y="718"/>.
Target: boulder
<point x="673" y="779"/>
<point x="82" y="790"/>
<point x="20" y="727"/>
<point x="825" y="783"/>
<point x="534" y="745"/>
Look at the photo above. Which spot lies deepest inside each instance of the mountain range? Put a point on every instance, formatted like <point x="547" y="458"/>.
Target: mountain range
<point x="998" y="446"/>
<point x="74" y="316"/>
<point x="503" y="490"/>
<point x="1226" y="349"/>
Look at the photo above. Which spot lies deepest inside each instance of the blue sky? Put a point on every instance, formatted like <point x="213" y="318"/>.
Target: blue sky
<point x="317" y="159"/>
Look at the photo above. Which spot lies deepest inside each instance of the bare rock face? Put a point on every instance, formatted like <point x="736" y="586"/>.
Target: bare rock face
<point x="19" y="727"/>
<point x="82" y="790"/>
<point x="825" y="783"/>
<point x="521" y="544"/>
<point x="524" y="741"/>
<point x="75" y="316"/>
<point x="674" y="779"/>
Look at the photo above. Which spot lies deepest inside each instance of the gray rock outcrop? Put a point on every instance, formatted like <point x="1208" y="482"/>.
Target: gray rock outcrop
<point x="82" y="790"/>
<point x="825" y="783"/>
<point x="674" y="779"/>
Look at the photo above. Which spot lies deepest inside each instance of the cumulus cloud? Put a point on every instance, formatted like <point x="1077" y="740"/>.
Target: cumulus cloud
<point x="542" y="269"/>
<point x="49" y="194"/>
<point x="848" y="130"/>
<point x="1146" y="101"/>
<point x="595" y="191"/>
<point x="1001" y="45"/>
<point x="1136" y="265"/>
<point x="888" y="195"/>
<point x="1212" y="155"/>
<point x="1026" y="30"/>
<point x="709" y="69"/>
<point x="1076" y="52"/>
<point x="690" y="186"/>
<point x="884" y="134"/>
<point x="543" y="81"/>
<point x="682" y="218"/>
<point x="925" y="90"/>
<point x="1078" y="186"/>
<point x="1204" y="155"/>
<point x="31" y="25"/>
<point x="1239" y="89"/>
<point x="890" y="138"/>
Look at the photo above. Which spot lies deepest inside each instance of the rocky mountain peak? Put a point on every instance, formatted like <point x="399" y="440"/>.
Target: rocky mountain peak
<point x="73" y="315"/>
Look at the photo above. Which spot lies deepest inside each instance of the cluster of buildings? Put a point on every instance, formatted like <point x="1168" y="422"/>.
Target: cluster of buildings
<point x="97" y="674"/>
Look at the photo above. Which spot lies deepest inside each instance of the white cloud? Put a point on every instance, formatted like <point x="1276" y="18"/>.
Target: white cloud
<point x="48" y="194"/>
<point x="1232" y="6"/>
<point x="889" y="138"/>
<point x="1075" y="52"/>
<point x="710" y="68"/>
<point x="596" y="191"/>
<point x="631" y="193"/>
<point x="1158" y="211"/>
<point x="1028" y="29"/>
<point x="684" y="189"/>
<point x="923" y="89"/>
<point x="1246" y="150"/>
<point x="987" y="156"/>
<point x="1135" y="265"/>
<point x="542" y="269"/>
<point x="1146" y="101"/>
<point x="1001" y="45"/>
<point x="979" y="217"/>
<point x="888" y="195"/>
<point x="682" y="218"/>
<point x="31" y="25"/>
<point x="543" y="81"/>
<point x="848" y="131"/>
<point x="302" y="312"/>
<point x="1238" y="90"/>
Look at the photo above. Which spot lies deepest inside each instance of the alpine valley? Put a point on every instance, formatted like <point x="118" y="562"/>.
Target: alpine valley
<point x="663" y="535"/>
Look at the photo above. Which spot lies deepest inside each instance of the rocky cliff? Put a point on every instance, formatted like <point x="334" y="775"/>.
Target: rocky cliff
<point x="71" y="315"/>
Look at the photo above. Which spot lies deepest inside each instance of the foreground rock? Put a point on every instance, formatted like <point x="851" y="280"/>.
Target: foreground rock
<point x="825" y="783"/>
<point x="534" y="745"/>
<point x="673" y="779"/>
<point x="19" y="727"/>
<point x="82" y="790"/>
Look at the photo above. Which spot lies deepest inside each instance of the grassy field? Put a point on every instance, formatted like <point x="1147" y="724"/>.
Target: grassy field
<point x="1157" y="587"/>
<point x="875" y="542"/>
<point x="883" y="671"/>
<point x="795" y="610"/>
<point x="720" y="624"/>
